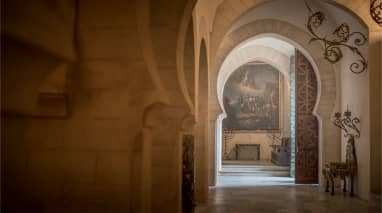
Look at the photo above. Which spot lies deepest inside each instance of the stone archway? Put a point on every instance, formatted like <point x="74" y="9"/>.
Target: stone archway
<point x="237" y="57"/>
<point x="227" y="12"/>
<point x="324" y="71"/>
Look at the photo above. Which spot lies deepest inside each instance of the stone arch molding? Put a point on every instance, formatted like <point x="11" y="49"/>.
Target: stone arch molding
<point x="241" y="56"/>
<point x="228" y="11"/>
<point x="324" y="72"/>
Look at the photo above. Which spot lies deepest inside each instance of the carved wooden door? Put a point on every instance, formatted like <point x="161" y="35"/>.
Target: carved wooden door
<point x="306" y="123"/>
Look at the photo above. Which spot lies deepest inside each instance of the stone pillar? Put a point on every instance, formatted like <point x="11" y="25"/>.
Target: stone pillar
<point x="292" y="116"/>
<point x="165" y="123"/>
<point x="375" y="54"/>
<point x="146" y="174"/>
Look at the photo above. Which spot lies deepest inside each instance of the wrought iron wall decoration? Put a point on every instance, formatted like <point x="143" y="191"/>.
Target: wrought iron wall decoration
<point x="340" y="38"/>
<point x="347" y="123"/>
<point x="376" y="11"/>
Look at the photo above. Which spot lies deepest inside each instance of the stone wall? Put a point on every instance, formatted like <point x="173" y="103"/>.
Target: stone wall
<point x="119" y="145"/>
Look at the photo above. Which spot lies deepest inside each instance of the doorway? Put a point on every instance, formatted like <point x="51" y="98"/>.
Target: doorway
<point x="268" y="133"/>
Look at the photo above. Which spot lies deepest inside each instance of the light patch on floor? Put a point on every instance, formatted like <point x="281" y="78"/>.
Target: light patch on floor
<point x="248" y="181"/>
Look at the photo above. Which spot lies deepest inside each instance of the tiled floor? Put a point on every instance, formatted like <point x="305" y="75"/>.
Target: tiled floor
<point x="233" y="195"/>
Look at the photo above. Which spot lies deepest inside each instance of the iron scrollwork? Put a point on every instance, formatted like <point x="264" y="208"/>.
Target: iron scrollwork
<point x="376" y="11"/>
<point x="341" y="37"/>
<point x="347" y="123"/>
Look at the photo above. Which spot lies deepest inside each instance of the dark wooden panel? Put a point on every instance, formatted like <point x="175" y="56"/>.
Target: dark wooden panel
<point x="306" y="122"/>
<point x="188" y="173"/>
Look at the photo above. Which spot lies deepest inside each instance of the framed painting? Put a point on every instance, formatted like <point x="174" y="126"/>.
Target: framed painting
<point x="252" y="98"/>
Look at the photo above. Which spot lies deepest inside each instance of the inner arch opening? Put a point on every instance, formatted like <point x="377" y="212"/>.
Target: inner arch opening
<point x="256" y="90"/>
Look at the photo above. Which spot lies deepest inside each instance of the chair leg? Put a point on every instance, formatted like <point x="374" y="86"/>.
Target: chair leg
<point x="332" y="182"/>
<point x="351" y="185"/>
<point x="344" y="190"/>
<point x="327" y="184"/>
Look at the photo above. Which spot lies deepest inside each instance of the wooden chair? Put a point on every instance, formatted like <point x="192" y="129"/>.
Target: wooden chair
<point x="342" y="169"/>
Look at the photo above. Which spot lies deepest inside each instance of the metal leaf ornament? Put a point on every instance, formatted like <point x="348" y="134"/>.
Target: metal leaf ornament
<point x="376" y="11"/>
<point x="341" y="38"/>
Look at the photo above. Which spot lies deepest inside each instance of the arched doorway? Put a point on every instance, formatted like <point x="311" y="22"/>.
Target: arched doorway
<point x="335" y="95"/>
<point x="285" y="60"/>
<point x="297" y="38"/>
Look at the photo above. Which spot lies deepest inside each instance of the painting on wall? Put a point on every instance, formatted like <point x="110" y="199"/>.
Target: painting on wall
<point x="251" y="98"/>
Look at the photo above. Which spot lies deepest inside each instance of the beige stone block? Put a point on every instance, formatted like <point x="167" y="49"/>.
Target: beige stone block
<point x="109" y="43"/>
<point x="164" y="46"/>
<point x="239" y="7"/>
<point x="101" y="135"/>
<point x="167" y="13"/>
<point x="164" y="176"/>
<point x="45" y="166"/>
<point x="45" y="133"/>
<point x="164" y="156"/>
<point x="39" y="24"/>
<point x="120" y="103"/>
<point x="43" y="196"/>
<point x="110" y="103"/>
<point x="61" y="166"/>
<point x="115" y="14"/>
<point x="97" y="198"/>
<point x="168" y="201"/>
<point x="139" y="76"/>
<point x="104" y="74"/>
<point x="78" y="166"/>
<point x="113" y="168"/>
<point x="169" y="78"/>
<point x="12" y="130"/>
<point x="14" y="165"/>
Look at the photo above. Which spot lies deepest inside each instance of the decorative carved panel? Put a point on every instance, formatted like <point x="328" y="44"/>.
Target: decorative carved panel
<point x="306" y="122"/>
<point x="188" y="173"/>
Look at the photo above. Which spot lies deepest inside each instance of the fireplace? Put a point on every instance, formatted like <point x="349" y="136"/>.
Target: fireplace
<point x="247" y="151"/>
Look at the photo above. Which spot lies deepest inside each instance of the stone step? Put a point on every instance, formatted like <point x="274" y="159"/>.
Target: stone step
<point x="263" y="170"/>
<point x="257" y="174"/>
<point x="245" y="162"/>
<point x="232" y="168"/>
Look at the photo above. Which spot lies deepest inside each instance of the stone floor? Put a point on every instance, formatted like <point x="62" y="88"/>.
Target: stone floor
<point x="227" y="181"/>
<point x="266" y="196"/>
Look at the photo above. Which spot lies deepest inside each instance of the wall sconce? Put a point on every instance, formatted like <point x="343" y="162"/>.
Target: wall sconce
<point x="347" y="123"/>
